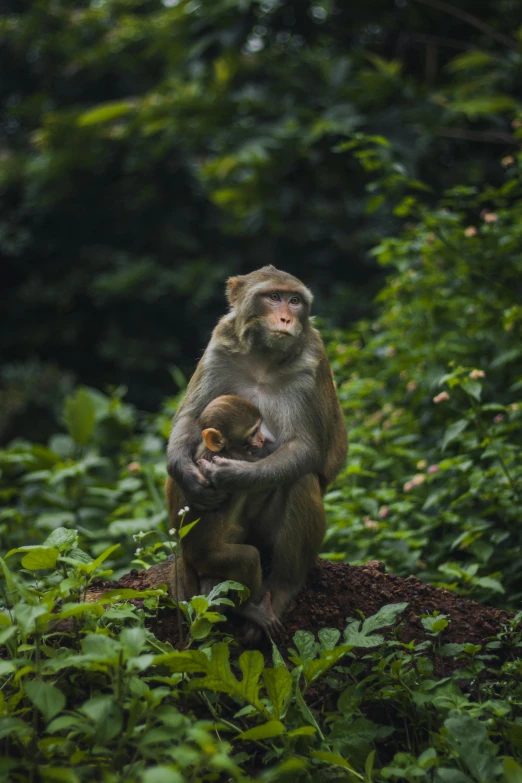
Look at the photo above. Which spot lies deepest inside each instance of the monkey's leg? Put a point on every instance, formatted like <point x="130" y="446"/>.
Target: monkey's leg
<point x="175" y="501"/>
<point x="240" y="562"/>
<point x="183" y="579"/>
<point x="297" y="533"/>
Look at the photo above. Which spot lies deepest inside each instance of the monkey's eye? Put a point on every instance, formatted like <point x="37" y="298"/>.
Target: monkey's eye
<point x="274" y="297"/>
<point x="294" y="300"/>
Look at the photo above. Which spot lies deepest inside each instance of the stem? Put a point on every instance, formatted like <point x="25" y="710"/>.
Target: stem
<point x="472" y="20"/>
<point x="484" y="433"/>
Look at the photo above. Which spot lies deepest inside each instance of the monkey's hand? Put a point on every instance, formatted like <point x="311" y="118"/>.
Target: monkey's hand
<point x="224" y="474"/>
<point x="199" y="492"/>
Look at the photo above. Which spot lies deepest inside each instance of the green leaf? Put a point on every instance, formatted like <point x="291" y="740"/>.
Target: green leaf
<point x="91" y="567"/>
<point x="512" y="770"/>
<point x="162" y="774"/>
<point x="328" y="637"/>
<point x="105" y="713"/>
<point x="105" y="112"/>
<point x="334" y="760"/>
<point x="27" y="616"/>
<point x="40" y="558"/>
<point x="384" y="617"/>
<point x="48" y="699"/>
<point x="278" y="684"/>
<point x="473" y="388"/>
<point x="446" y="775"/>
<point x="80" y="416"/>
<point x="62" y="538"/>
<point x="251" y="664"/>
<point x="273" y="728"/>
<point x="453" y="432"/>
<point x="470" y="60"/>
<point x="182" y="532"/>
<point x="306" y="712"/>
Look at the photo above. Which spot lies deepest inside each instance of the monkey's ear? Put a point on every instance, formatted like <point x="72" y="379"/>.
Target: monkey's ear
<point x="234" y="286"/>
<point x="214" y="441"/>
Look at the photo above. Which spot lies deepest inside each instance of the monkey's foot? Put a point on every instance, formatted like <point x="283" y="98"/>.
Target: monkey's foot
<point x="207" y="583"/>
<point x="266" y="622"/>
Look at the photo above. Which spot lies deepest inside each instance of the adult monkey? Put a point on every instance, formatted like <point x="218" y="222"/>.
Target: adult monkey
<point x="267" y="351"/>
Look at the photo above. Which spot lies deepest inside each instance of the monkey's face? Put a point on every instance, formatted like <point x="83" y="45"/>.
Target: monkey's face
<point x="280" y="316"/>
<point x="255" y="439"/>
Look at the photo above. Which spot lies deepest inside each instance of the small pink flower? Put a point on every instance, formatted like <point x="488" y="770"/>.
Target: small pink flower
<point x="383" y="512"/>
<point x="476" y="374"/>
<point x="412" y="385"/>
<point x="134" y="467"/>
<point x="419" y="478"/>
<point x="433" y="469"/>
<point x="470" y="231"/>
<point x="408" y="486"/>
<point x="370" y="523"/>
<point x="490" y="217"/>
<point x="442" y="397"/>
<point x="498" y="418"/>
<point x="508" y="160"/>
<point x="421" y="464"/>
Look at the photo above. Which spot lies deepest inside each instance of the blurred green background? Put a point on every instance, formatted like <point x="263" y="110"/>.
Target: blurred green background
<point x="150" y="149"/>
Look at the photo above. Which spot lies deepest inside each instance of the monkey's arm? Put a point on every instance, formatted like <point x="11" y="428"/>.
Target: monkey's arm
<point x="318" y="446"/>
<point x="288" y="463"/>
<point x="185" y="438"/>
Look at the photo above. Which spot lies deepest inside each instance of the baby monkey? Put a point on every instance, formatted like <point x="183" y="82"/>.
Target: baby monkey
<point x="215" y="547"/>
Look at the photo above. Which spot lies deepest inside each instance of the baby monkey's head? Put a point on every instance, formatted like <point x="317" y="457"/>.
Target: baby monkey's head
<point x="232" y="423"/>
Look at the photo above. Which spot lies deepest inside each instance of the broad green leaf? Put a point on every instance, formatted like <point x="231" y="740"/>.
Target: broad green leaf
<point x="384" y="617"/>
<point x="306" y="645"/>
<point x="328" y="637"/>
<point x="272" y="728"/>
<point x="278" y="684"/>
<point x="27" y="616"/>
<point x="200" y="628"/>
<point x="453" y="432"/>
<point x="473" y="388"/>
<point x="40" y="558"/>
<point x="62" y="538"/>
<point x="512" y="770"/>
<point x="251" y="664"/>
<point x="48" y="699"/>
<point x="106" y="714"/>
<point x="80" y="416"/>
<point x="162" y="774"/>
<point x="199" y="603"/>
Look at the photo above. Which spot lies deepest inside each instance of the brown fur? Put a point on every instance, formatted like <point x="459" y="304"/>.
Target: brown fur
<point x="285" y="372"/>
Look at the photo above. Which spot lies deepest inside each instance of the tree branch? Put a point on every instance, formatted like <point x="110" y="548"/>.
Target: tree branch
<point x="472" y="20"/>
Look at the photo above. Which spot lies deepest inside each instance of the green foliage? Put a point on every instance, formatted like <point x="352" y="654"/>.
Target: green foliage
<point x="432" y="394"/>
<point x="149" y="149"/>
<point x="103" y="696"/>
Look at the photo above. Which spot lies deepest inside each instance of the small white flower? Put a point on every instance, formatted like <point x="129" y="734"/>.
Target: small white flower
<point x="138" y="550"/>
<point x="172" y="531"/>
<point x="186" y="509"/>
<point x="181" y="512"/>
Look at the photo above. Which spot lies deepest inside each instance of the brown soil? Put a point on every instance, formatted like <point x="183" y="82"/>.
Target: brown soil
<point x="335" y="592"/>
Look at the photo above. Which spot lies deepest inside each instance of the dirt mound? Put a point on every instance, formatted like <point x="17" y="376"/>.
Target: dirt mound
<point x="337" y="591"/>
